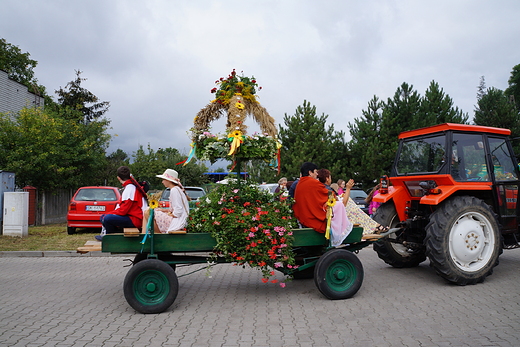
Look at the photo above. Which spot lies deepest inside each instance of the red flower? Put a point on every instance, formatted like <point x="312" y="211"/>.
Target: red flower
<point x="247" y="203"/>
<point x="265" y="280"/>
<point x="262" y="263"/>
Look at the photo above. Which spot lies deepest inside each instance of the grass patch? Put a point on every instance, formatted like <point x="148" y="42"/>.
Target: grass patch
<point x="51" y="237"/>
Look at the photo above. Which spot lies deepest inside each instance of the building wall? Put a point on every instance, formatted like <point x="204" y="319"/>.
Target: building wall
<point x="15" y="96"/>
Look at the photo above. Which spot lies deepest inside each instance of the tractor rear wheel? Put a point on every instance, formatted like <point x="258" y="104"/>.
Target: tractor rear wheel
<point x="463" y="240"/>
<point x="394" y="254"/>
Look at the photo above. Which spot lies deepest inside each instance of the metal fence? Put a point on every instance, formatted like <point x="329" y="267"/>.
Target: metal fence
<point x="51" y="207"/>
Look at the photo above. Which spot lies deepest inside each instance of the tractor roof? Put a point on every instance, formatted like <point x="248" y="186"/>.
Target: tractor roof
<point x="453" y="126"/>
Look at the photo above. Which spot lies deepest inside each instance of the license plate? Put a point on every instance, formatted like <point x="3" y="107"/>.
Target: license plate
<point x="95" y="208"/>
<point x="361" y="206"/>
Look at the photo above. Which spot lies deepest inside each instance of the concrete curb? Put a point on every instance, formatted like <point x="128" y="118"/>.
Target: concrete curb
<point x="34" y="254"/>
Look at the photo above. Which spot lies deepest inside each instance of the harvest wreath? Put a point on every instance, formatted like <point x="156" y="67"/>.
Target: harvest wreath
<point x="236" y="96"/>
<point x="251" y="227"/>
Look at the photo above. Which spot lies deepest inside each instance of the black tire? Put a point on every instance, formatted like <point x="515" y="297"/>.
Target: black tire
<point x="151" y="286"/>
<point x="394" y="254"/>
<point x="161" y="256"/>
<point x="71" y="230"/>
<point x="463" y="240"/>
<point x="338" y="274"/>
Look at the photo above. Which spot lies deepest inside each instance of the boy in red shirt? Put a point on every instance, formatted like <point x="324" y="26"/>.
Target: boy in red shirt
<point x="129" y="214"/>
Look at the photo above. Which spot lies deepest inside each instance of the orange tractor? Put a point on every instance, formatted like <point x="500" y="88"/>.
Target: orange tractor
<point x="452" y="197"/>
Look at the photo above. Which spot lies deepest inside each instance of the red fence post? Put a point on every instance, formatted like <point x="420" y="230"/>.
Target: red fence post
<point x="32" y="204"/>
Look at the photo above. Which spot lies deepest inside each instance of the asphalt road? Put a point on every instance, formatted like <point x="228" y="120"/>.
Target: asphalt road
<point x="78" y="301"/>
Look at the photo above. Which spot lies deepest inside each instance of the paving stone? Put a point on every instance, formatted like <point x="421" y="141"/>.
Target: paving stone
<point x="59" y="299"/>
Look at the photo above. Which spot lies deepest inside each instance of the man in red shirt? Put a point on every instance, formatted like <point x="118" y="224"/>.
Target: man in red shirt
<point x="311" y="196"/>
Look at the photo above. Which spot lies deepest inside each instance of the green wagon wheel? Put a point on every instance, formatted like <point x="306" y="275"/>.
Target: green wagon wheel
<point x="338" y="274"/>
<point x="151" y="286"/>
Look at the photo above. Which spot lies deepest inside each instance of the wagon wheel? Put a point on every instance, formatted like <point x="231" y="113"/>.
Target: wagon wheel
<point x="338" y="274"/>
<point x="150" y="286"/>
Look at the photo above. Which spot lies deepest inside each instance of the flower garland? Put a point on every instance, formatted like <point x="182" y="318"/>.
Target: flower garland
<point x="235" y="85"/>
<point x="212" y="147"/>
<point x="250" y="226"/>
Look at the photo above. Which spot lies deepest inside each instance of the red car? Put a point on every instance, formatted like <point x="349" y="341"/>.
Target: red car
<point x="88" y="204"/>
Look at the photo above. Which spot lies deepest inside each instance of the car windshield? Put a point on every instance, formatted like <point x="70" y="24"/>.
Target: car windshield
<point x="358" y="194"/>
<point x="96" y="194"/>
<point x="193" y="193"/>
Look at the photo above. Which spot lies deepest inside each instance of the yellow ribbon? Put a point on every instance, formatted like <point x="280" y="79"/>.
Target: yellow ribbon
<point x="236" y="139"/>
<point x="330" y="203"/>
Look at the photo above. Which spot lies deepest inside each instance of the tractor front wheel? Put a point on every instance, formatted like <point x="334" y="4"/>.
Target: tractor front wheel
<point x="394" y="253"/>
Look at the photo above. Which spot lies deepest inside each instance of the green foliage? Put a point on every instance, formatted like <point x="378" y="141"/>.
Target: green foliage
<point x="210" y="147"/>
<point x="148" y="164"/>
<point x="437" y="108"/>
<point x="50" y="152"/>
<point x="115" y="160"/>
<point x="375" y="136"/>
<point x="82" y="104"/>
<point x="262" y="171"/>
<point x="495" y="109"/>
<point x="367" y="153"/>
<point x="305" y="137"/>
<point x="250" y="226"/>
<point x="19" y="66"/>
<point x="513" y="91"/>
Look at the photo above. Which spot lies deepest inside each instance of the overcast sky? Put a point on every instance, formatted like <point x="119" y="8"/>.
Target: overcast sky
<point x="156" y="61"/>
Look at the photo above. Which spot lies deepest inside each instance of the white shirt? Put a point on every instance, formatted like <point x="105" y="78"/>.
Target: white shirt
<point x="179" y="207"/>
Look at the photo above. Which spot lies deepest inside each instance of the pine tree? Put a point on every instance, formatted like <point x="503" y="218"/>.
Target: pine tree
<point x="495" y="109"/>
<point x="365" y="147"/>
<point x="513" y="91"/>
<point x="437" y="108"/>
<point x="306" y="138"/>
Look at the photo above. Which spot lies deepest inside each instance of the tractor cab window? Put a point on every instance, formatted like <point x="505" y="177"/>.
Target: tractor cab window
<point x="468" y="161"/>
<point x="425" y="155"/>
<point x="503" y="163"/>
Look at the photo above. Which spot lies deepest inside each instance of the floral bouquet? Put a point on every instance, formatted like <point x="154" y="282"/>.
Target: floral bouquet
<point x="212" y="147"/>
<point x="251" y="226"/>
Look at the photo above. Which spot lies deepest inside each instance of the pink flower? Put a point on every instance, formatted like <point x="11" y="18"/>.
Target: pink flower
<point x="235" y="191"/>
<point x="282" y="284"/>
<point x="251" y="234"/>
<point x="278" y="264"/>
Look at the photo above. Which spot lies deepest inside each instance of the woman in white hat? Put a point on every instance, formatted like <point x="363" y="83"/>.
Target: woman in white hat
<point x="175" y="217"/>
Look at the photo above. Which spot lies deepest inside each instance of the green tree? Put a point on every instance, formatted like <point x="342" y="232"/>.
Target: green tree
<point x="513" y="91"/>
<point x="307" y="138"/>
<point x="436" y="108"/>
<point x="50" y="152"/>
<point x="115" y="160"/>
<point x="365" y="146"/>
<point x="76" y="98"/>
<point x="495" y="109"/>
<point x="147" y="164"/>
<point x="19" y="66"/>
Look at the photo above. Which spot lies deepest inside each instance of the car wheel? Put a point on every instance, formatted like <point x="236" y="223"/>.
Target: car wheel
<point x="71" y="230"/>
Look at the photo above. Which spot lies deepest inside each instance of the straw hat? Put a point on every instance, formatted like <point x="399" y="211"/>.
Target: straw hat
<point x="170" y="175"/>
